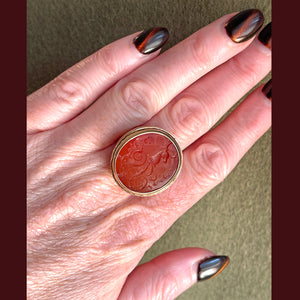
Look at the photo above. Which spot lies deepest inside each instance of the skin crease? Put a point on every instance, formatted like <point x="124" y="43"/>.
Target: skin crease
<point x="85" y="235"/>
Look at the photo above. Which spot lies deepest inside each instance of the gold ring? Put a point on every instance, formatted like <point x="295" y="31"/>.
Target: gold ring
<point x="146" y="161"/>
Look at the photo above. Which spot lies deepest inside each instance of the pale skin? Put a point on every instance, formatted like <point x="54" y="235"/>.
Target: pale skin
<point x="85" y="235"/>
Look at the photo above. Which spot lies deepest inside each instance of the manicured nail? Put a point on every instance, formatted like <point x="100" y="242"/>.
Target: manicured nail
<point x="211" y="267"/>
<point x="265" y="35"/>
<point x="267" y="89"/>
<point x="244" y="25"/>
<point x="151" y="40"/>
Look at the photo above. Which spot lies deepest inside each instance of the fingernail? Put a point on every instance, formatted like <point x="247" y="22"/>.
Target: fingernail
<point x="151" y="40"/>
<point x="267" y="89"/>
<point x="244" y="25"/>
<point x="211" y="267"/>
<point x="265" y="35"/>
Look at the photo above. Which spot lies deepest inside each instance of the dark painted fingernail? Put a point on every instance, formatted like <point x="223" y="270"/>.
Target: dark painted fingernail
<point x="265" y="36"/>
<point x="151" y="40"/>
<point x="244" y="25"/>
<point x="267" y="89"/>
<point x="211" y="267"/>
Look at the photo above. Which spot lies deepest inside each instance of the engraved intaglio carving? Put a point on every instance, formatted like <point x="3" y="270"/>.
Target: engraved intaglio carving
<point x="147" y="162"/>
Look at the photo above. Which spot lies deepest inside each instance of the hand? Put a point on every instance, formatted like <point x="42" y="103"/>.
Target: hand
<point x="85" y="234"/>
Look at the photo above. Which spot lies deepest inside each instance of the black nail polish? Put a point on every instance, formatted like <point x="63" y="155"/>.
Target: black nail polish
<point x="267" y="89"/>
<point x="151" y="40"/>
<point x="211" y="267"/>
<point x="265" y="36"/>
<point x="244" y="25"/>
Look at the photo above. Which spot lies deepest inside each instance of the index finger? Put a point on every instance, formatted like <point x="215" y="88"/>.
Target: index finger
<point x="75" y="89"/>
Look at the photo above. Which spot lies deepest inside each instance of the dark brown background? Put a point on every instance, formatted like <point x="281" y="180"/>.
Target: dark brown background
<point x="235" y="218"/>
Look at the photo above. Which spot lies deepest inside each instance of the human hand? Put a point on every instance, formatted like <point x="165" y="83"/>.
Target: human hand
<point x="85" y="234"/>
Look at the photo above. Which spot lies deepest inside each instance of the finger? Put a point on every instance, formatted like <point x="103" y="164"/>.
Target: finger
<point x="140" y="95"/>
<point x="192" y="113"/>
<point x="76" y="88"/>
<point x="171" y="273"/>
<point x="211" y="158"/>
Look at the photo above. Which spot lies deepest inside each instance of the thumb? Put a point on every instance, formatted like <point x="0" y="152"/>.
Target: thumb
<point x="170" y="274"/>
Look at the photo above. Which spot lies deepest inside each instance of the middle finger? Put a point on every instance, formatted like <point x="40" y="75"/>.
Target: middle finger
<point x="138" y="97"/>
<point x="194" y="111"/>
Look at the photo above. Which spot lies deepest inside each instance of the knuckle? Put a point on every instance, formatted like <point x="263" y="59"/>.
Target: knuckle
<point x="139" y="98"/>
<point x="82" y="198"/>
<point x="202" y="52"/>
<point x="190" y="115"/>
<point x="131" y="229"/>
<point x="68" y="92"/>
<point x="132" y="226"/>
<point x="245" y="70"/>
<point x="107" y="60"/>
<point x="210" y="164"/>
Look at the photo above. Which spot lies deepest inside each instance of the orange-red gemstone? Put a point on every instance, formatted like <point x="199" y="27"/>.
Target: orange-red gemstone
<point x="147" y="162"/>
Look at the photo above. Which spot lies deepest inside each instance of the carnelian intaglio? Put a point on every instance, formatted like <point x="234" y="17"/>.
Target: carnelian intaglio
<point x="147" y="162"/>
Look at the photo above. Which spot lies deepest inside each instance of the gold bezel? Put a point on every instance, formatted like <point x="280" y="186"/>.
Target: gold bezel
<point x="132" y="134"/>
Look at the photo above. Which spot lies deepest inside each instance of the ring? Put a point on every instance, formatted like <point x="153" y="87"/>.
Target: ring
<point x="146" y="161"/>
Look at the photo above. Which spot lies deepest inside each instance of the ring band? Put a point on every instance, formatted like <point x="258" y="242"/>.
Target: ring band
<point x="146" y="161"/>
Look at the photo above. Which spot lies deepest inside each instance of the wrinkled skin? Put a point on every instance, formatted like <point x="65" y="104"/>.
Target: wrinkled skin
<point x="85" y="235"/>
